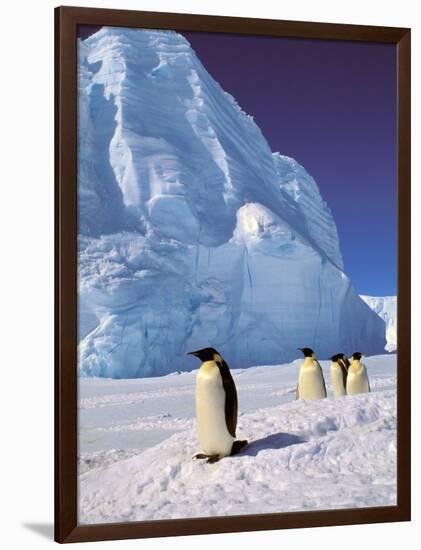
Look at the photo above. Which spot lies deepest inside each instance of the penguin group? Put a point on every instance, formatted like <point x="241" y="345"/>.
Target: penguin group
<point x="217" y="402"/>
<point x="348" y="378"/>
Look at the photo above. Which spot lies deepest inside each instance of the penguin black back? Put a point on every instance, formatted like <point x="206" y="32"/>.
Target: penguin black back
<point x="344" y="359"/>
<point x="231" y="400"/>
<point x="343" y="362"/>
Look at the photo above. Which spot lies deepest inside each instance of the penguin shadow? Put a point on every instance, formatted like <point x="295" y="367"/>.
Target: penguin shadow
<point x="274" y="441"/>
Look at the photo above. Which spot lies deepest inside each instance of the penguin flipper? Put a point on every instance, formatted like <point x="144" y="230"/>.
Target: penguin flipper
<point x="231" y="400"/>
<point x="297" y="393"/>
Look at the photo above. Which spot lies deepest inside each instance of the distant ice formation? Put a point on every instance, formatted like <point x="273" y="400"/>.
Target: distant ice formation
<point x="386" y="308"/>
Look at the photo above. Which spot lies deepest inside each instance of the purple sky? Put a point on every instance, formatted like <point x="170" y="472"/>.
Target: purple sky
<point x="331" y="106"/>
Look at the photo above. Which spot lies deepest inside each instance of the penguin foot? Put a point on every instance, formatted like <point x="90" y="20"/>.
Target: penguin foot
<point x="237" y="446"/>
<point x="201" y="456"/>
<point x="212" y="459"/>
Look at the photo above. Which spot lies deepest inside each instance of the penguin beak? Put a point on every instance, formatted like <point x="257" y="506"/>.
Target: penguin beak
<point x="195" y="353"/>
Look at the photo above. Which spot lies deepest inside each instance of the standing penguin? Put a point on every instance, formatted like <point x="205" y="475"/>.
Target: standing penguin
<point x="311" y="383"/>
<point x="357" y="381"/>
<point x="338" y="375"/>
<point x="216" y="407"/>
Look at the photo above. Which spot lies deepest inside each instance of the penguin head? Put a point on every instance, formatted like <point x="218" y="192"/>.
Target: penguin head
<point x="308" y="352"/>
<point x="335" y="358"/>
<point x="357" y="356"/>
<point x="206" y="354"/>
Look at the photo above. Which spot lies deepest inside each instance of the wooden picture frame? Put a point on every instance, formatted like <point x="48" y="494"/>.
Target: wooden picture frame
<point x="66" y="21"/>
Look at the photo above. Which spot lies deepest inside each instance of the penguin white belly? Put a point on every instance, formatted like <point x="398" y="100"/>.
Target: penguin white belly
<point x="337" y="379"/>
<point x="214" y="436"/>
<point x="310" y="382"/>
<point x="357" y="381"/>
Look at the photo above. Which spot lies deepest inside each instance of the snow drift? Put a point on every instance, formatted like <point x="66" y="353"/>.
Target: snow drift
<point x="191" y="231"/>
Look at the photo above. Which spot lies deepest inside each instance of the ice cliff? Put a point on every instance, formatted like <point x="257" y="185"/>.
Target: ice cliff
<point x="191" y="231"/>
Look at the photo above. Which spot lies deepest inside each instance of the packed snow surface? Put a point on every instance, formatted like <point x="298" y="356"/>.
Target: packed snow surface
<point x="192" y="232"/>
<point x="137" y="439"/>
<point x="386" y="308"/>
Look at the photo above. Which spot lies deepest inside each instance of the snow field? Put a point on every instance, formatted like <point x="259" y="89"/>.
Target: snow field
<point x="332" y="453"/>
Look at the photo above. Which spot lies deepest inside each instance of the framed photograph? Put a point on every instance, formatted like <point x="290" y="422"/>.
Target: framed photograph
<point x="232" y="274"/>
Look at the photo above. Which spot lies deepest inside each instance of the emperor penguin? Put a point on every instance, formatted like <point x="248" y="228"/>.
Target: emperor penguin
<point x="357" y="380"/>
<point x="338" y="375"/>
<point x="311" y="383"/>
<point x="216" y="407"/>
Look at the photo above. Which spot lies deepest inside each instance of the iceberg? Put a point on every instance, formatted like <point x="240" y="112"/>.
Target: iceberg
<point x="386" y="309"/>
<point x="191" y="231"/>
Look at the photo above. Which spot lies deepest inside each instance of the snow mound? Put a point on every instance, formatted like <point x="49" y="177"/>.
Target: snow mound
<point x="302" y="456"/>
